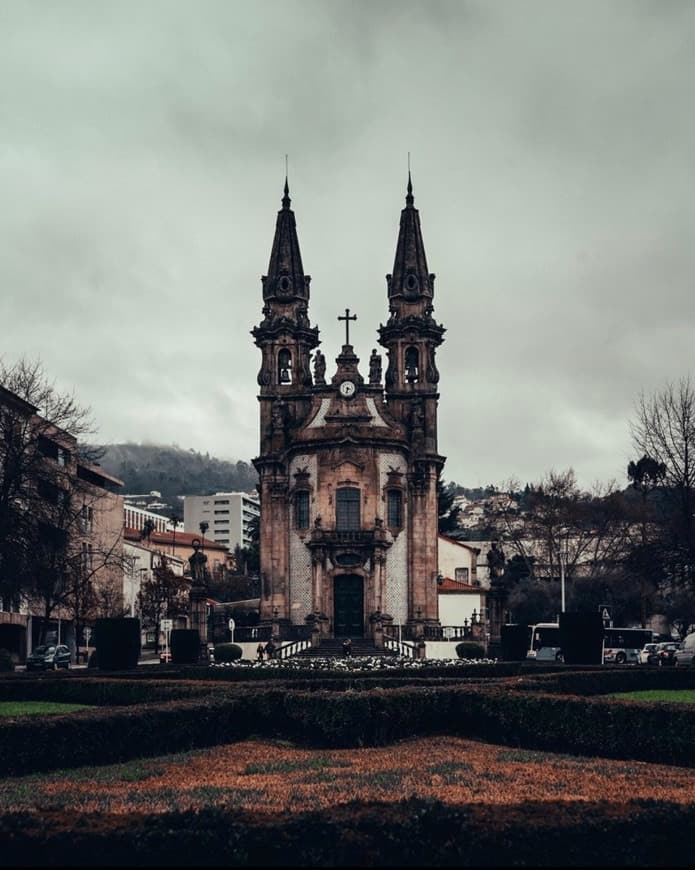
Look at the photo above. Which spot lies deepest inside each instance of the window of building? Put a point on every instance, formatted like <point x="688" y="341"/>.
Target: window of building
<point x="221" y="512"/>
<point x="394" y="508"/>
<point x="222" y="501"/>
<point x="284" y="367"/>
<point x="347" y="509"/>
<point x="461" y="574"/>
<point x="301" y="510"/>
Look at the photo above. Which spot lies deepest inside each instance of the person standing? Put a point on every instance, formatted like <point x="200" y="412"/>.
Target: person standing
<point x="347" y="647"/>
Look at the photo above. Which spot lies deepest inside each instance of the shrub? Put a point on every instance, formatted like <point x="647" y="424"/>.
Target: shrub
<point x="6" y="660"/>
<point x="117" y="642"/>
<point x="227" y="652"/>
<point x="470" y="649"/>
<point x="185" y="646"/>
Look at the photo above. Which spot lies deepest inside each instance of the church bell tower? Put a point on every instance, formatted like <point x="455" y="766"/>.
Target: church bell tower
<point x="348" y="465"/>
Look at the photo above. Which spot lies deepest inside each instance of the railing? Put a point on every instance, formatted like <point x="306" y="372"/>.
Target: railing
<point x="292" y="648"/>
<point x="405" y="648"/>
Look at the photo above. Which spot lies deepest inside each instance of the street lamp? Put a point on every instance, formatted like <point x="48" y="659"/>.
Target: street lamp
<point x="562" y="582"/>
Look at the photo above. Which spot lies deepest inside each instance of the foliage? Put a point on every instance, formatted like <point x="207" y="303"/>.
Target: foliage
<point x="228" y="652"/>
<point x="117" y="642"/>
<point x="6" y="660"/>
<point x="48" y="506"/>
<point x="185" y="646"/>
<point x="448" y="511"/>
<point x="174" y="471"/>
<point x="663" y="433"/>
<point x="164" y="595"/>
<point x="564" y="531"/>
<point x="470" y="649"/>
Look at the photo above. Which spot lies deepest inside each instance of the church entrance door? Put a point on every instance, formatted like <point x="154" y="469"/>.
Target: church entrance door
<point x="348" y="598"/>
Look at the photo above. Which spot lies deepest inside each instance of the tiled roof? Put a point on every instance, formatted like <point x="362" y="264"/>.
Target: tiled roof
<point x="450" y="585"/>
<point x="185" y="539"/>
<point x="459" y="543"/>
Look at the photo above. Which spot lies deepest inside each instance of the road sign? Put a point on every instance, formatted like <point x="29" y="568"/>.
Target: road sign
<point x="231" y="624"/>
<point x="166" y="624"/>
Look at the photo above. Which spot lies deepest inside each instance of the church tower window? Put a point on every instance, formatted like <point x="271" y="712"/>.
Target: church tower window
<point x="284" y="367"/>
<point x="412" y="365"/>
<point x="394" y="508"/>
<point x="301" y="510"/>
<point x="347" y="509"/>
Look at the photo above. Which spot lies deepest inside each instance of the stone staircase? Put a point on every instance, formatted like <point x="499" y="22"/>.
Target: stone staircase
<point x="333" y="648"/>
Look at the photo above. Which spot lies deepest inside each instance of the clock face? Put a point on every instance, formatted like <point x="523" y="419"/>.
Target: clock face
<point x="347" y="389"/>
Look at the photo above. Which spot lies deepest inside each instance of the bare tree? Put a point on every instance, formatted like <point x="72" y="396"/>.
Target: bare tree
<point x="664" y="431"/>
<point x="46" y="495"/>
<point x="163" y="596"/>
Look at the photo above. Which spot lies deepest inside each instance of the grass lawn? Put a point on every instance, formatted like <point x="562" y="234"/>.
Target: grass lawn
<point x="32" y="708"/>
<point x="678" y="696"/>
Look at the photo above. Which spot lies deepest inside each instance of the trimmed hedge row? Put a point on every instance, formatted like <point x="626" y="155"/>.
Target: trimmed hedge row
<point x="658" y="733"/>
<point x="412" y="833"/>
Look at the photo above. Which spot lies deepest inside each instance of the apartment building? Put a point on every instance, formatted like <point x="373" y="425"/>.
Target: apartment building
<point x="61" y="533"/>
<point x="229" y="516"/>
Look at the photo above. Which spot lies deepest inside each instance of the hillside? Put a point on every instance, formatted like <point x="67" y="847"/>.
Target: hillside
<point x="174" y="471"/>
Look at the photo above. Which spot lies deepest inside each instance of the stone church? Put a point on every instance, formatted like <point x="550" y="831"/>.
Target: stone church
<point x="348" y="464"/>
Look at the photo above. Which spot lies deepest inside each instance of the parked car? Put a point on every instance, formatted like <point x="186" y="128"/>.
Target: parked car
<point x="647" y="655"/>
<point x="666" y="653"/>
<point x="685" y="654"/>
<point x="49" y="658"/>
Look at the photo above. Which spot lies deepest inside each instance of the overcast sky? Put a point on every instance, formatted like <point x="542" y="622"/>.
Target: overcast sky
<point x="552" y="143"/>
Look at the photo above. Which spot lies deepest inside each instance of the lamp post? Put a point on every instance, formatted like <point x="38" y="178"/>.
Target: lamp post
<point x="562" y="582"/>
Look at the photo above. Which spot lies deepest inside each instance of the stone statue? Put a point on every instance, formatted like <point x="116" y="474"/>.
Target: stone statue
<point x="197" y="563"/>
<point x="319" y="368"/>
<point x="375" y="368"/>
<point x="278" y="414"/>
<point x="495" y="561"/>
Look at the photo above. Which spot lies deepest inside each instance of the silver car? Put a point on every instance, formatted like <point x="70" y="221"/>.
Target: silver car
<point x="647" y="655"/>
<point x="685" y="654"/>
<point x="49" y="658"/>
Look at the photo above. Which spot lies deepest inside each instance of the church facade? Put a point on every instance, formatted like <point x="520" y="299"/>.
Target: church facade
<point x="348" y="463"/>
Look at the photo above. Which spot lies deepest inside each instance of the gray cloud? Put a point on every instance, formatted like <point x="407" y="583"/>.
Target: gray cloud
<point x="552" y="143"/>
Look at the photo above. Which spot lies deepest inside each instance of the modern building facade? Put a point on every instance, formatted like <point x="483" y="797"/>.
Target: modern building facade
<point x="348" y="463"/>
<point x="229" y="516"/>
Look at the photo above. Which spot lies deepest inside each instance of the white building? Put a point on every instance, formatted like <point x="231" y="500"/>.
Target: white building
<point x="228" y="514"/>
<point x="135" y="517"/>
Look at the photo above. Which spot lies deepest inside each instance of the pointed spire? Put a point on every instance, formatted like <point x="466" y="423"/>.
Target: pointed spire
<point x="286" y="279"/>
<point x="411" y="277"/>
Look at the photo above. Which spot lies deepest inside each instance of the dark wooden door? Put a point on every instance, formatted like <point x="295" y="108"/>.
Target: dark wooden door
<point x="348" y="598"/>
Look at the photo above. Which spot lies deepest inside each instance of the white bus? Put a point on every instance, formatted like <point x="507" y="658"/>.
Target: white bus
<point x="544" y="642"/>
<point x="620" y="645"/>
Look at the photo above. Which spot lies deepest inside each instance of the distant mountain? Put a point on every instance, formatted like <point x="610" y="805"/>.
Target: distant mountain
<point x="173" y="471"/>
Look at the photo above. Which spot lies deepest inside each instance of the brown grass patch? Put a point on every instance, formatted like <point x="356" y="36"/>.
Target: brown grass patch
<point x="274" y="777"/>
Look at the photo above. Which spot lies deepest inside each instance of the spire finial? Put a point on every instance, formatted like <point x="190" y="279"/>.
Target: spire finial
<point x="410" y="199"/>
<point x="286" y="198"/>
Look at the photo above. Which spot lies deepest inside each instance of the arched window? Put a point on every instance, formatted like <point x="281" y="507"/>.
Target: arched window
<point x="412" y="365"/>
<point x="301" y="509"/>
<point x="284" y="367"/>
<point x="394" y="508"/>
<point x="347" y="509"/>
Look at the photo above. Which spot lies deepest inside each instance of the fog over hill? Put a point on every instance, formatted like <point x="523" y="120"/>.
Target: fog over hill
<point x="174" y="471"/>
